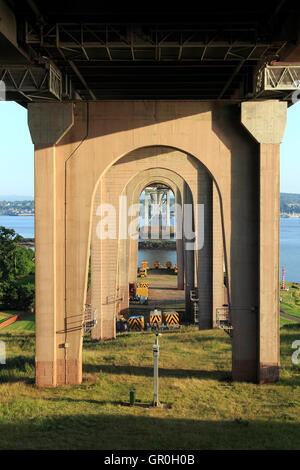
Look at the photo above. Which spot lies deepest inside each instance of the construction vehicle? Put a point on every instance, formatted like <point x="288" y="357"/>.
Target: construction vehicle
<point x="122" y="324"/>
<point x="138" y="292"/>
<point x="132" y="290"/>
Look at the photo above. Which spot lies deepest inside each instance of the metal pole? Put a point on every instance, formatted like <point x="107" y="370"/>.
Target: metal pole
<point x="155" y="356"/>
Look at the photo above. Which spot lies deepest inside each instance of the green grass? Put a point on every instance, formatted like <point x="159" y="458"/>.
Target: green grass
<point x="208" y="411"/>
<point x="285" y="321"/>
<point x="291" y="300"/>
<point x="22" y="325"/>
<point x="6" y="314"/>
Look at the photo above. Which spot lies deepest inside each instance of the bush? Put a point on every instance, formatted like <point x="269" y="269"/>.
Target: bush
<point x="18" y="297"/>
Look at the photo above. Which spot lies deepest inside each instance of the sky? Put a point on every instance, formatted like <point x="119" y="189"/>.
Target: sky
<point x="17" y="152"/>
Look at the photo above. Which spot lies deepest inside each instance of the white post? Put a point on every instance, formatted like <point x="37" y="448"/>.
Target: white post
<point x="155" y="356"/>
<point x="2" y="352"/>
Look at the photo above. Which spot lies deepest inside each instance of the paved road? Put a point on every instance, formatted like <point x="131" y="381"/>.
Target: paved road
<point x="290" y="317"/>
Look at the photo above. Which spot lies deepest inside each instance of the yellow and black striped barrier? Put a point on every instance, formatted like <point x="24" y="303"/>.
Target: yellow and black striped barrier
<point x="155" y="319"/>
<point x="136" y="323"/>
<point x="144" y="284"/>
<point x="171" y="318"/>
<point x="143" y="272"/>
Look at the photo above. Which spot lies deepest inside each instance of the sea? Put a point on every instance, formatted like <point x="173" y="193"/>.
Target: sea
<point x="289" y="244"/>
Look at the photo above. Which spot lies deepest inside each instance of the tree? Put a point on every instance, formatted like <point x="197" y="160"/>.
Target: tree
<point x="18" y="297"/>
<point x="15" y="260"/>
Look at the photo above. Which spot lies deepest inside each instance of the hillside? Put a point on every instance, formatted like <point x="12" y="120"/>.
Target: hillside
<point x="289" y="204"/>
<point x="16" y="207"/>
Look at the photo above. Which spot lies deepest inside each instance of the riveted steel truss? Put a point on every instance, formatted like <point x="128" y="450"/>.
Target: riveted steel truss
<point x="37" y="83"/>
<point x="102" y="42"/>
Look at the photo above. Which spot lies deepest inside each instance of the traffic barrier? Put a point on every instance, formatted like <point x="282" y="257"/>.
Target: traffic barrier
<point x="155" y="319"/>
<point x="171" y="318"/>
<point x="136" y="323"/>
<point x="144" y="284"/>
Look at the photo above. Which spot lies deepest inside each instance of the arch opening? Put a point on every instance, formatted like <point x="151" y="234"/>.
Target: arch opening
<point x="133" y="174"/>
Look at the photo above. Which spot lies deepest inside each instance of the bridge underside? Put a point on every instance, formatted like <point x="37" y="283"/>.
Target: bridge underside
<point x="55" y="51"/>
<point x="87" y="154"/>
<point x="120" y="98"/>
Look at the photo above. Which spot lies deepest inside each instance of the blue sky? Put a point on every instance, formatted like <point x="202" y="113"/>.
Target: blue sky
<point x="17" y="162"/>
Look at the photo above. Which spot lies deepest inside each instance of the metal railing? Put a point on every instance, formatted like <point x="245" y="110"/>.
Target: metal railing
<point x="90" y="318"/>
<point x="223" y="319"/>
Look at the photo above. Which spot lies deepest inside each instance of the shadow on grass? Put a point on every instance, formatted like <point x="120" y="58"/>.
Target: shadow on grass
<point x="224" y="375"/>
<point x="125" y="431"/>
<point x="172" y="335"/>
<point x="291" y="328"/>
<point x="18" y="339"/>
<point x="18" y="369"/>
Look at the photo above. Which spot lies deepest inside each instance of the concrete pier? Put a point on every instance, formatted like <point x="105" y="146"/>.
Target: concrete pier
<point x="90" y="154"/>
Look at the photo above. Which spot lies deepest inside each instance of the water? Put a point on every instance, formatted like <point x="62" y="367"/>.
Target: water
<point x="290" y="248"/>
<point x="289" y="244"/>
<point x="23" y="225"/>
<point x="157" y="255"/>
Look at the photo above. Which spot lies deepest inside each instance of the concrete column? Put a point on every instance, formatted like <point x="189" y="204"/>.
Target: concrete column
<point x="189" y="262"/>
<point x="168" y="215"/>
<point x="179" y="240"/>
<point x="48" y="123"/>
<point x="218" y="288"/>
<point x="123" y="260"/>
<point x="96" y="260"/>
<point x="133" y="261"/>
<point x="146" y="208"/>
<point x="269" y="339"/>
<point x="266" y="122"/>
<point x="106" y="251"/>
<point x="204" y="254"/>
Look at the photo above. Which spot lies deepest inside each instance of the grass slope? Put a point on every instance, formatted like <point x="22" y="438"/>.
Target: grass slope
<point x="291" y="299"/>
<point x="207" y="411"/>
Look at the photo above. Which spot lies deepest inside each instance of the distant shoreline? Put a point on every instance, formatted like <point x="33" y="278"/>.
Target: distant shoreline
<point x="17" y="215"/>
<point x="289" y="216"/>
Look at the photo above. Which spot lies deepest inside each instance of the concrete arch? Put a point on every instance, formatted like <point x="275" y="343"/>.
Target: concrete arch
<point x="100" y="134"/>
<point x="135" y="171"/>
<point x="134" y="185"/>
<point x="176" y="183"/>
